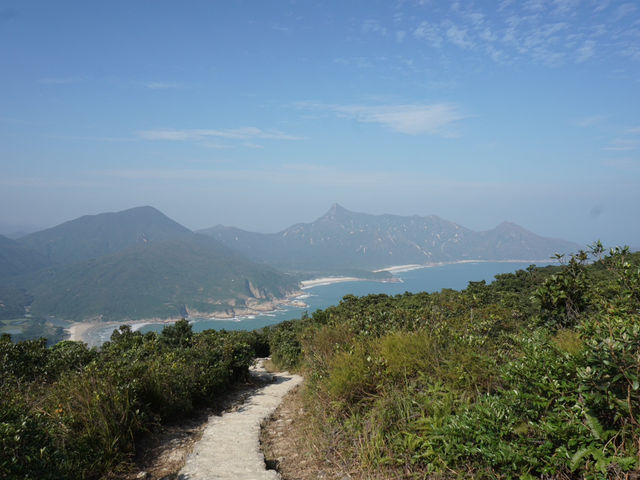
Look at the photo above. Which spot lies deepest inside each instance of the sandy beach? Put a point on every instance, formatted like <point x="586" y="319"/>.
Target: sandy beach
<point x="78" y="331"/>
<point x="86" y="331"/>
<point x="406" y="268"/>
<point x="317" y="282"/>
<point x="81" y="331"/>
<point x="394" y="269"/>
<point x="401" y="268"/>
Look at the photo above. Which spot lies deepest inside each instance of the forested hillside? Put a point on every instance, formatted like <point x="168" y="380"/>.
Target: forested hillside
<point x="16" y="258"/>
<point x="133" y="264"/>
<point x="533" y="376"/>
<point x="161" y="279"/>
<point x="93" y="236"/>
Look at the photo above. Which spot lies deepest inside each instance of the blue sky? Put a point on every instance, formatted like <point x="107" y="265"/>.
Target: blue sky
<point x="261" y="114"/>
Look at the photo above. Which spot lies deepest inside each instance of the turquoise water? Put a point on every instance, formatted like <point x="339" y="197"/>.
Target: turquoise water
<point x="430" y="279"/>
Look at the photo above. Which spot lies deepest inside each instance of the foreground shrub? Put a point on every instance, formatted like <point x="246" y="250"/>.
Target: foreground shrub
<point x="73" y="412"/>
<point x="534" y="376"/>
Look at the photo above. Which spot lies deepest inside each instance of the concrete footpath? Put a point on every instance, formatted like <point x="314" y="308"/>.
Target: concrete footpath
<point x="230" y="446"/>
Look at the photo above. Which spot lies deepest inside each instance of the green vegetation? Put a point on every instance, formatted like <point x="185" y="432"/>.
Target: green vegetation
<point x="73" y="412"/>
<point x="29" y="328"/>
<point x="163" y="279"/>
<point x="127" y="265"/>
<point x="16" y="259"/>
<point x="534" y="376"/>
<point x="93" y="236"/>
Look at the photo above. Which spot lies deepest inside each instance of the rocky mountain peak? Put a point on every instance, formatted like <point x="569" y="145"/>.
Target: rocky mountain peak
<point x="336" y="212"/>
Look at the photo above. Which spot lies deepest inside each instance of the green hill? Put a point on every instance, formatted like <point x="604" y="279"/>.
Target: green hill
<point x="133" y="264"/>
<point x="93" y="236"/>
<point x="17" y="259"/>
<point x="158" y="279"/>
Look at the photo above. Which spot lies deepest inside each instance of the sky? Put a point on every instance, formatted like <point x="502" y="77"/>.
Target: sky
<point x="261" y="114"/>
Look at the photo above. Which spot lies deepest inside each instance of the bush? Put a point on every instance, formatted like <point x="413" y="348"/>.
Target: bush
<point x="534" y="376"/>
<point x="73" y="412"/>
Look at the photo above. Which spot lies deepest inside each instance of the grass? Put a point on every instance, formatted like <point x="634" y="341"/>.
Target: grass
<point x="533" y="376"/>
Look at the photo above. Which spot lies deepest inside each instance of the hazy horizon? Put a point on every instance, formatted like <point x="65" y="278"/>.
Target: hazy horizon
<point x="261" y="115"/>
<point x="23" y="230"/>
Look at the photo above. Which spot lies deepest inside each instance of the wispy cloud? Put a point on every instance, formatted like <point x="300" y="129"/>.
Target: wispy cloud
<point x="623" y="145"/>
<point x="91" y="138"/>
<point x="458" y="36"/>
<point x="586" y="51"/>
<point x="429" y="32"/>
<point x="590" y="120"/>
<point x="281" y="28"/>
<point x="548" y="32"/>
<point x="412" y="119"/>
<point x="243" y="133"/>
<point x="624" y="164"/>
<point x="373" y="26"/>
<point x="60" y="80"/>
<point x="624" y="10"/>
<point x="163" y="85"/>
<point x="627" y="140"/>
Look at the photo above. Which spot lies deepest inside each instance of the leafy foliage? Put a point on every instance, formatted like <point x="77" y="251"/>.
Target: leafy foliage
<point x="536" y="375"/>
<point x="73" y="412"/>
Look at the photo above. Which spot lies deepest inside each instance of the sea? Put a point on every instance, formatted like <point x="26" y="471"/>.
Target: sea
<point x="430" y="279"/>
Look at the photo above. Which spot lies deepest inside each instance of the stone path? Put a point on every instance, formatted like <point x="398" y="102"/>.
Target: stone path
<point x="230" y="448"/>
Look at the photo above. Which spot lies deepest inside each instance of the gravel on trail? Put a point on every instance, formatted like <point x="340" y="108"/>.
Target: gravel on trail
<point x="230" y="447"/>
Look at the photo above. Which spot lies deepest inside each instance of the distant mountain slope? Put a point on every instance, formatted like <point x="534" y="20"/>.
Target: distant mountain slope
<point x="17" y="259"/>
<point x="157" y="279"/>
<point x="511" y="241"/>
<point x="93" y="236"/>
<point x="343" y="239"/>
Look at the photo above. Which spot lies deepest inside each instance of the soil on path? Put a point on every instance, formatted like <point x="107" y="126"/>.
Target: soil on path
<point x="230" y="447"/>
<point x="288" y="438"/>
<point x="164" y="453"/>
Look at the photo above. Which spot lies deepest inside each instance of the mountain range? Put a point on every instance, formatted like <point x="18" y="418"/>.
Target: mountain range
<point x="133" y="264"/>
<point x="138" y="263"/>
<point x="342" y="240"/>
<point x="93" y="236"/>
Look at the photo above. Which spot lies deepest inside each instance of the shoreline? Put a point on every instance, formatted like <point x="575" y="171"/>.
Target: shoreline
<point x="82" y="331"/>
<point x="319" y="282"/>
<point x="416" y="266"/>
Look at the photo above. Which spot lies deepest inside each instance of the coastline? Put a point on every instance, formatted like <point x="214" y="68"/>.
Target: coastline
<point x="394" y="269"/>
<point x="318" y="282"/>
<point x="416" y="266"/>
<point x="84" y="331"/>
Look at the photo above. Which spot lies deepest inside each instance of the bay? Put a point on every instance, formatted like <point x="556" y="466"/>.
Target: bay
<point x="431" y="279"/>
